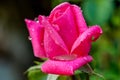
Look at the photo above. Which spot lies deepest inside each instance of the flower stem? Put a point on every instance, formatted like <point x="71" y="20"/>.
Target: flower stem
<point x="87" y="77"/>
<point x="52" y="77"/>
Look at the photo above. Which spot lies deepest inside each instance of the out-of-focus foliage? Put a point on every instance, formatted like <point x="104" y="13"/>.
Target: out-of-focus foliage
<point x="106" y="50"/>
<point x="97" y="11"/>
<point x="56" y="2"/>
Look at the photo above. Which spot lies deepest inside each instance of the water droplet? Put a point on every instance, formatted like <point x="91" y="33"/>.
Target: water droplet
<point x="29" y="38"/>
<point x="85" y="58"/>
<point x="28" y="21"/>
<point x="42" y="44"/>
<point x="37" y="21"/>
<point x="33" y="30"/>
<point x="56" y="27"/>
<point x="47" y="35"/>
<point x="50" y="31"/>
<point x="56" y="42"/>
<point x="71" y="31"/>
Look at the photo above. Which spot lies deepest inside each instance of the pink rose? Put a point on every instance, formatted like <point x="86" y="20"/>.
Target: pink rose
<point x="64" y="38"/>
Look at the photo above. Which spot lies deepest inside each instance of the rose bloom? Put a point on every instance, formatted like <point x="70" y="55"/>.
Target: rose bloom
<point x="64" y="38"/>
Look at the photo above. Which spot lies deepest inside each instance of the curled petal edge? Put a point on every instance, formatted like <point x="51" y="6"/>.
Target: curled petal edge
<point x="59" y="7"/>
<point x="65" y="67"/>
<point x="91" y="34"/>
<point x="36" y="33"/>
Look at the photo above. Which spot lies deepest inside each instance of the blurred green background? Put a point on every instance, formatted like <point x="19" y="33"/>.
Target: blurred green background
<point x="16" y="54"/>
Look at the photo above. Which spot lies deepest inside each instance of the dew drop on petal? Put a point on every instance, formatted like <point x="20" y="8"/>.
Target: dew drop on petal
<point x="28" y="21"/>
<point x="56" y="27"/>
<point x="37" y="21"/>
<point x="33" y="30"/>
<point x="50" y="31"/>
<point x="29" y="38"/>
<point x="42" y="44"/>
<point x="85" y="58"/>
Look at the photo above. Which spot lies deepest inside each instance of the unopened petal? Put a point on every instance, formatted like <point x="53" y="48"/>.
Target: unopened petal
<point x="68" y="30"/>
<point x="62" y="7"/>
<point x="79" y="19"/>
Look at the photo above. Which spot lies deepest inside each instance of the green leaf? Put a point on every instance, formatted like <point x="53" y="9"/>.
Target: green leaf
<point x="116" y="18"/>
<point x="36" y="67"/>
<point x="36" y="75"/>
<point x="37" y="62"/>
<point x="78" y="72"/>
<point x="52" y="77"/>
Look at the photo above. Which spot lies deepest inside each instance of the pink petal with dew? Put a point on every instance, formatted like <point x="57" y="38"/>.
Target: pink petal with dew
<point x="52" y="48"/>
<point x="51" y="33"/>
<point x="81" y="46"/>
<point x="64" y="67"/>
<point x="36" y="32"/>
<point x="68" y="30"/>
<point x="78" y="18"/>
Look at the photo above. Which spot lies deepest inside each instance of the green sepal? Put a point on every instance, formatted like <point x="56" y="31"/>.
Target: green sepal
<point x="52" y="77"/>
<point x="87" y="69"/>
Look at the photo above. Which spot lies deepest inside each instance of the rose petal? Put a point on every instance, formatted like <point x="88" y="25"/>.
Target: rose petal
<point x="52" y="49"/>
<point x="68" y="30"/>
<point x="78" y="18"/>
<point x="51" y="33"/>
<point x="64" y="67"/>
<point x="62" y="7"/>
<point x="36" y="32"/>
<point x="82" y="46"/>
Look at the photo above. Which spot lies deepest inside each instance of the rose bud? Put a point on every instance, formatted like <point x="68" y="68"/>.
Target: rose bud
<point x="64" y="38"/>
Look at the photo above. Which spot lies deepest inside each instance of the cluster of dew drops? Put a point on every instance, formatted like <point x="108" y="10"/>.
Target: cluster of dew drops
<point x="36" y="20"/>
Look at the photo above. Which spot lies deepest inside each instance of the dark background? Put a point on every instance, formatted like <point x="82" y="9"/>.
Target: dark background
<point x="15" y="49"/>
